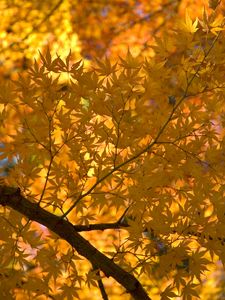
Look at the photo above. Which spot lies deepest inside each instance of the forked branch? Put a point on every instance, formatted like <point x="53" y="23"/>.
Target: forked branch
<point x="12" y="197"/>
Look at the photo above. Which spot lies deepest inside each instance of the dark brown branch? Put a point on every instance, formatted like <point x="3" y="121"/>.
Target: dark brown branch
<point x="11" y="197"/>
<point x="100" y="284"/>
<point x="102" y="289"/>
<point x="102" y="226"/>
<point x="189" y="231"/>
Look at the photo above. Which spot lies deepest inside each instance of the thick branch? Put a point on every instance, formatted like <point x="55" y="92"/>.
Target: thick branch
<point x="11" y="197"/>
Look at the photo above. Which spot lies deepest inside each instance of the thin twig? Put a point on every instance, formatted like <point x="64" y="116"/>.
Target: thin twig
<point x="154" y="141"/>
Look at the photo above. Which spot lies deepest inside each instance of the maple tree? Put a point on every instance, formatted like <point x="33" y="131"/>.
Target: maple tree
<point x="115" y="172"/>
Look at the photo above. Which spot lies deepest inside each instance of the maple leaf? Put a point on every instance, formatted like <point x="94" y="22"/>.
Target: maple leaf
<point x="168" y="293"/>
<point x="188" y="26"/>
<point x="131" y="152"/>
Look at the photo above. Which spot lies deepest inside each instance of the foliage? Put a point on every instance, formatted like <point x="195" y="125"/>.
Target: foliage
<point x="117" y="169"/>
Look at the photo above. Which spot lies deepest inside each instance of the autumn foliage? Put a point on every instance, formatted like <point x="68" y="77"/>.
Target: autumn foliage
<point x="112" y="155"/>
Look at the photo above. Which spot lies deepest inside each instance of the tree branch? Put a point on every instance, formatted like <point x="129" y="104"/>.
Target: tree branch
<point x="100" y="284"/>
<point x="102" y="289"/>
<point x="11" y="197"/>
<point x="101" y="226"/>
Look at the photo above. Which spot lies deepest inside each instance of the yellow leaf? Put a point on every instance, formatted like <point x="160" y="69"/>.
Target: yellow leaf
<point x="188" y="25"/>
